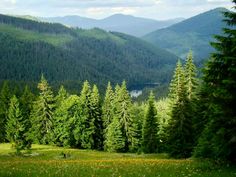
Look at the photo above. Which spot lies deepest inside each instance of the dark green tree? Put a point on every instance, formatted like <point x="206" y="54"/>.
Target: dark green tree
<point x="26" y="103"/>
<point x="42" y="114"/>
<point x="96" y="113"/>
<point x="88" y="128"/>
<point x="180" y="131"/>
<point x="5" y="97"/>
<point x="190" y="72"/>
<point x="218" y="140"/>
<point x="107" y="107"/>
<point x="150" y="128"/>
<point x="123" y="111"/>
<point x="16" y="127"/>
<point x="66" y="122"/>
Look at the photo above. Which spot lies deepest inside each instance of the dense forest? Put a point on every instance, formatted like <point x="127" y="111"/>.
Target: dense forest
<point x="196" y="119"/>
<point x="70" y="56"/>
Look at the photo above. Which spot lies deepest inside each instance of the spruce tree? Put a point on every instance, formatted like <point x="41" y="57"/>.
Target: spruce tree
<point x="26" y="102"/>
<point x="190" y="76"/>
<point x="115" y="141"/>
<point x="180" y="135"/>
<point x="88" y="130"/>
<point x="42" y="114"/>
<point x="16" y="126"/>
<point x="107" y="107"/>
<point x="61" y="96"/>
<point x="176" y="82"/>
<point x="66" y="122"/>
<point x="219" y="136"/>
<point x="150" y="128"/>
<point x="123" y="111"/>
<point x="5" y="97"/>
<point x="96" y="113"/>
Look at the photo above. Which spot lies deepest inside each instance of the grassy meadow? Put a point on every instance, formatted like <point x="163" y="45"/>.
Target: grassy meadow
<point x="43" y="161"/>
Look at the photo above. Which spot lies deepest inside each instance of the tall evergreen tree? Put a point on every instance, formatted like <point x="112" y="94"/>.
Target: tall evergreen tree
<point x="107" y="107"/>
<point x="16" y="126"/>
<point x="61" y="96"/>
<point x="150" y="128"/>
<point x="66" y="122"/>
<point x="219" y="137"/>
<point x="190" y="76"/>
<point x="5" y="97"/>
<point x="176" y="83"/>
<point x="26" y="102"/>
<point x="123" y="111"/>
<point x="180" y="133"/>
<point x="115" y="141"/>
<point x="42" y="114"/>
<point x="88" y="130"/>
<point x="96" y="113"/>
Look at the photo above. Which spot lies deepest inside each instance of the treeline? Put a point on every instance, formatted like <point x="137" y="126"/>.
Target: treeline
<point x="42" y="27"/>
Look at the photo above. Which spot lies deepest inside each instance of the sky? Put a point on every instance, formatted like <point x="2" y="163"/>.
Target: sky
<point x="98" y="9"/>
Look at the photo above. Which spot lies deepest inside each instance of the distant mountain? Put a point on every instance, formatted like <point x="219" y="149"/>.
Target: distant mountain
<point x="192" y="34"/>
<point x="120" y="23"/>
<point x="70" y="56"/>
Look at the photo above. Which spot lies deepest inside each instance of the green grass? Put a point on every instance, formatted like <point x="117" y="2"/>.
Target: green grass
<point x="48" y="161"/>
<point x="28" y="35"/>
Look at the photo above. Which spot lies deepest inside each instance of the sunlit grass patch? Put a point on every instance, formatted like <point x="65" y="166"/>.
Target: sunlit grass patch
<point x="49" y="161"/>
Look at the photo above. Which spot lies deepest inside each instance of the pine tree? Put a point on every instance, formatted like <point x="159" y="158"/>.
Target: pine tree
<point x="180" y="135"/>
<point x="123" y="111"/>
<point x="26" y="102"/>
<point x="66" y="122"/>
<point x="176" y="83"/>
<point x="16" y="126"/>
<point x="88" y="131"/>
<point x="97" y="116"/>
<point x="115" y="141"/>
<point x="190" y="76"/>
<point x="107" y="107"/>
<point x="42" y="114"/>
<point x="61" y="96"/>
<point x="5" y="96"/>
<point x="219" y="136"/>
<point x="150" y="128"/>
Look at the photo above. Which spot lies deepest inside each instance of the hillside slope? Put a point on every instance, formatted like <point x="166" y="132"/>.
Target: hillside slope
<point x="70" y="56"/>
<point x="192" y="34"/>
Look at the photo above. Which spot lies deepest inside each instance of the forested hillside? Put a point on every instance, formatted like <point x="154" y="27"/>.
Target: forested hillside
<point x="192" y="34"/>
<point x="70" y="56"/>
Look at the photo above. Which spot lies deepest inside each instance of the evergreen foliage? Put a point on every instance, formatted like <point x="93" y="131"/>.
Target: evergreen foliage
<point x="66" y="122"/>
<point x="42" y="114"/>
<point x="87" y="127"/>
<point x="115" y="141"/>
<point x="16" y="127"/>
<point x="150" y="128"/>
<point x="107" y="108"/>
<point x="5" y="96"/>
<point x="96" y="113"/>
<point x="218" y="140"/>
<point x="123" y="112"/>
<point x="180" y="129"/>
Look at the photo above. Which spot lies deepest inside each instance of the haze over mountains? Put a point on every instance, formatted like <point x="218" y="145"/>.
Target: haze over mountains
<point x="128" y="24"/>
<point x="191" y="34"/>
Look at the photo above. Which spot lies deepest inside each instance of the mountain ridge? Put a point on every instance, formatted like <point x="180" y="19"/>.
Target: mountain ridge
<point x="193" y="34"/>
